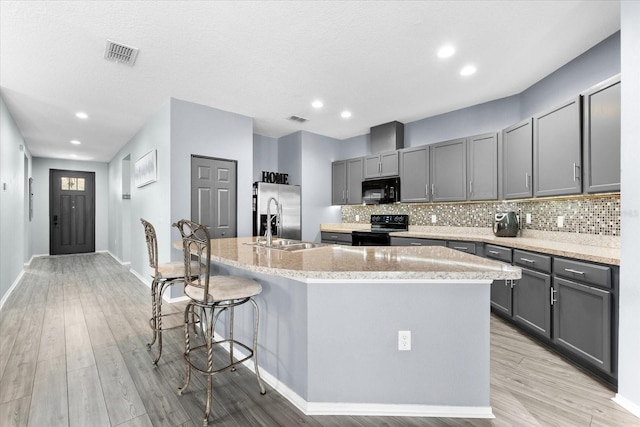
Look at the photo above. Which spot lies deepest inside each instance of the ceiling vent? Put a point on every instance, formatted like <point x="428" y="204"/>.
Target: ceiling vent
<point x="298" y="119"/>
<point x="120" y="53"/>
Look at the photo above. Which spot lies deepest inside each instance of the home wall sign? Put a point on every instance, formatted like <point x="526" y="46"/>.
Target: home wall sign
<point x="145" y="170"/>
<point x="275" y="177"/>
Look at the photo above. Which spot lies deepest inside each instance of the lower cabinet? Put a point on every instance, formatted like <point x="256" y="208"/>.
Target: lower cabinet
<point x="501" y="290"/>
<point x="582" y="321"/>
<point x="410" y="241"/>
<point x="336" y="238"/>
<point x="532" y="302"/>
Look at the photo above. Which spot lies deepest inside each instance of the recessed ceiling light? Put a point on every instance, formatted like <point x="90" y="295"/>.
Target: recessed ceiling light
<point x="75" y="142"/>
<point x="446" y="51"/>
<point x="317" y="104"/>
<point x="73" y="155"/>
<point x="82" y="115"/>
<point x="468" y="70"/>
<point x="345" y="114"/>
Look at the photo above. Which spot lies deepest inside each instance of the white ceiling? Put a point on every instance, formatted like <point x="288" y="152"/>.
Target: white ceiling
<point x="270" y="59"/>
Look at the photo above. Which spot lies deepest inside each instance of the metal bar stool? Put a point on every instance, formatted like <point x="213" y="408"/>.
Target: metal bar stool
<point x="163" y="275"/>
<point x="213" y="295"/>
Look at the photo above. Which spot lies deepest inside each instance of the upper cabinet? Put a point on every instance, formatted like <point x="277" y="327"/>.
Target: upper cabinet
<point x="449" y="171"/>
<point x="517" y="163"/>
<point x="482" y="164"/>
<point x="380" y="165"/>
<point x="346" y="182"/>
<point x="601" y="137"/>
<point x="557" y="163"/>
<point x="414" y="174"/>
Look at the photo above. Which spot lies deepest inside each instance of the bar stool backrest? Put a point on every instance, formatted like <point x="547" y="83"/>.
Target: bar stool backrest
<point x="152" y="245"/>
<point x="196" y="245"/>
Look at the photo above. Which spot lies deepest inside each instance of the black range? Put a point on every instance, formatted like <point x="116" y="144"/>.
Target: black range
<point x="381" y="226"/>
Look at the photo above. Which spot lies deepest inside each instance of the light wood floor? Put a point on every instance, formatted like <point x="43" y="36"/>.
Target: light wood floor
<point x="72" y="352"/>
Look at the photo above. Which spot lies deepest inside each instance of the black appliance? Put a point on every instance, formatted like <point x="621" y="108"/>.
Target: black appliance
<point x="381" y="191"/>
<point x="381" y="226"/>
<point x="505" y="224"/>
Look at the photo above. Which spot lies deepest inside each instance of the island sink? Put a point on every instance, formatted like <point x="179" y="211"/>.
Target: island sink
<point x="288" y="245"/>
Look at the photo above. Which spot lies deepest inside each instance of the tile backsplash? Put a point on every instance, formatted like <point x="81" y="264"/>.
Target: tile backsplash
<point x="599" y="215"/>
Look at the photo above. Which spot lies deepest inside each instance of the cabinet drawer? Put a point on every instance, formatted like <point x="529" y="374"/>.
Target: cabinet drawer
<point x="499" y="253"/>
<point x="336" y="237"/>
<point x="411" y="241"/>
<point x="468" y="247"/>
<point x="532" y="260"/>
<point x="594" y="274"/>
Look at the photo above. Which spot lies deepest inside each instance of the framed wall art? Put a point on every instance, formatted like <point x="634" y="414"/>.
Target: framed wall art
<point x="145" y="170"/>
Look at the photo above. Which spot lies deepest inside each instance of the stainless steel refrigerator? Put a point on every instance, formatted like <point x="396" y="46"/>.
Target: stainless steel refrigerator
<point x="286" y="221"/>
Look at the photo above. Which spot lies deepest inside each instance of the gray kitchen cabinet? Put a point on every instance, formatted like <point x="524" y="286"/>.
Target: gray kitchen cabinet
<point x="414" y="174"/>
<point x="468" y="247"/>
<point x="335" y="238"/>
<point x="557" y="161"/>
<point x="412" y="241"/>
<point x="582" y="321"/>
<point x="449" y="171"/>
<point x="532" y="293"/>
<point x="482" y="162"/>
<point x="381" y="165"/>
<point x="517" y="160"/>
<point x="346" y="182"/>
<point x="501" y="290"/>
<point x="601" y="137"/>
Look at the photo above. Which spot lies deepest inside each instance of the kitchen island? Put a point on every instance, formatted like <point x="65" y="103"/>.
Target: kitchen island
<point x="330" y="317"/>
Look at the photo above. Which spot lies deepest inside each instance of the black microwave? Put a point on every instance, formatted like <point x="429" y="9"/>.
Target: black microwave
<point x="381" y="191"/>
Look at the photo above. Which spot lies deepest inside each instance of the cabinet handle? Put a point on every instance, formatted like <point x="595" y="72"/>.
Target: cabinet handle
<point x="526" y="179"/>
<point x="343" y="194"/>
<point x="530" y="261"/>
<point x="569" y="270"/>
<point x="553" y="296"/>
<point x="494" y="252"/>
<point x="433" y="191"/>
<point x="460" y="248"/>
<point x="347" y="194"/>
<point x="380" y="167"/>
<point x="576" y="168"/>
<point x="415" y="244"/>
<point x="426" y="190"/>
<point x="470" y="187"/>
<point x="510" y="282"/>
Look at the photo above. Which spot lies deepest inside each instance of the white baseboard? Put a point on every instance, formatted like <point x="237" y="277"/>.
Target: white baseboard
<point x="5" y="297"/>
<point x="116" y="258"/>
<point x="363" y="409"/>
<point x="630" y="406"/>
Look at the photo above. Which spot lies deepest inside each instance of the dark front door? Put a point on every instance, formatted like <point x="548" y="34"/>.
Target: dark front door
<point x="72" y="212"/>
<point x="213" y="195"/>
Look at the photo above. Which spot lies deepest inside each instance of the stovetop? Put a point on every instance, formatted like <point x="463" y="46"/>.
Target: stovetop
<point x="389" y="223"/>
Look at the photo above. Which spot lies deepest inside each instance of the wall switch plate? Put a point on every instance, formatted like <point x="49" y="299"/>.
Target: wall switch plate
<point x="528" y="218"/>
<point x="560" y="221"/>
<point x="404" y="340"/>
<point x="433" y="219"/>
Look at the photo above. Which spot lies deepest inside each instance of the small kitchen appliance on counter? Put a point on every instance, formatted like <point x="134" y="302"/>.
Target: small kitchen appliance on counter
<point x="505" y="224"/>
<point x="381" y="226"/>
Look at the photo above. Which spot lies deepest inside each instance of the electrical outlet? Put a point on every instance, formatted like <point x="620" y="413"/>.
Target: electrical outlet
<point x="357" y="218"/>
<point x="528" y="218"/>
<point x="560" y="221"/>
<point x="433" y="219"/>
<point x="404" y="340"/>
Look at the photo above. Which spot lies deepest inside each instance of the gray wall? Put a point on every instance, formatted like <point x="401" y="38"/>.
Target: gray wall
<point x="265" y="155"/>
<point x="629" y="338"/>
<point x="40" y="223"/>
<point x="151" y="202"/>
<point x="290" y="157"/>
<point x="15" y="247"/>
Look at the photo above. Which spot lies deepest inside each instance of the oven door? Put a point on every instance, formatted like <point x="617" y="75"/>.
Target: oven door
<point x="368" y="238"/>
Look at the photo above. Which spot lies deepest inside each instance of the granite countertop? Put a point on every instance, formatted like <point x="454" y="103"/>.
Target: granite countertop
<point x="335" y="262"/>
<point x="601" y="249"/>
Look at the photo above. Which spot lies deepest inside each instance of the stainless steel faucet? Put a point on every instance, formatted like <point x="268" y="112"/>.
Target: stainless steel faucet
<point x="267" y="235"/>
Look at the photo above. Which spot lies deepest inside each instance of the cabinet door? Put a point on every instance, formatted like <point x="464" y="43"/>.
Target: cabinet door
<point x="411" y="241"/>
<point x="372" y="166"/>
<point x="414" y="174"/>
<point x="601" y="133"/>
<point x="354" y="181"/>
<point x="532" y="302"/>
<point x="338" y="182"/>
<point x="557" y="162"/>
<point x="483" y="167"/>
<point x="389" y="164"/>
<point x="501" y="297"/>
<point x="449" y="171"/>
<point x="517" y="160"/>
<point x="582" y="321"/>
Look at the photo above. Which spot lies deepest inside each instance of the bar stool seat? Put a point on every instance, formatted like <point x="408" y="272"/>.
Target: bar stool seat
<point x="213" y="295"/>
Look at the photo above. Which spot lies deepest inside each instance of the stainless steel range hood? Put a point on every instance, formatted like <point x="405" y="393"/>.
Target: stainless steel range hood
<point x="386" y="137"/>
